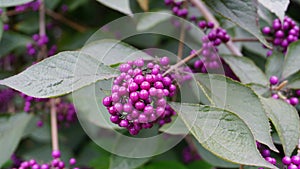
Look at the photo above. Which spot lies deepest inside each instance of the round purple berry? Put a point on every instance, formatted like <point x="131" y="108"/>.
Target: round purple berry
<point x="273" y="80"/>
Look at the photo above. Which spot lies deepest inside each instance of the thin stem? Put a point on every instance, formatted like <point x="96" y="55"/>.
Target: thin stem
<point x="54" y="131"/>
<point x="248" y="40"/>
<point x="183" y="61"/>
<point x="42" y="25"/>
<point x="209" y="17"/>
<point x="65" y="20"/>
<point x="181" y="41"/>
<point x="241" y="167"/>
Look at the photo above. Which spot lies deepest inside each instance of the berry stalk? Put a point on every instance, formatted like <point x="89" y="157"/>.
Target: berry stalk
<point x="43" y="52"/>
<point x="54" y="131"/>
<point x="190" y="57"/>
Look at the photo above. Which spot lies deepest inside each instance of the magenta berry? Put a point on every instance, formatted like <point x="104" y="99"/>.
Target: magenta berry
<point x="294" y="101"/>
<point x="273" y="80"/>
<point x="286" y="160"/>
<point x="56" y="154"/>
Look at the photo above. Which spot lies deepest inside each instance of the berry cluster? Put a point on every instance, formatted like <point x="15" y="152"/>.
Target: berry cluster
<point x="29" y="101"/>
<point x="66" y="113"/>
<point x="282" y="34"/>
<point x="6" y="95"/>
<point x="35" y="5"/>
<point x="55" y="163"/>
<point x="178" y="8"/>
<point x="211" y="41"/>
<point x="138" y="95"/>
<point x="278" y="95"/>
<point x="39" y="41"/>
<point x="189" y="156"/>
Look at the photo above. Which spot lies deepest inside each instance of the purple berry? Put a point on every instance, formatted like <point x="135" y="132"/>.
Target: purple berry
<point x="56" y="154"/>
<point x="296" y="160"/>
<point x="273" y="80"/>
<point x="164" y="61"/>
<point x="266" y="30"/>
<point x="286" y="160"/>
<point x="294" y="101"/>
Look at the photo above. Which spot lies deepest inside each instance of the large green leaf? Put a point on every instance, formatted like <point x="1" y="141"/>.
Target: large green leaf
<point x="222" y="132"/>
<point x="294" y="81"/>
<point x="8" y="3"/>
<point x="274" y="65"/>
<point x="246" y="70"/>
<point x="291" y="61"/>
<point x="240" y="99"/>
<point x="11" y="132"/>
<point x="242" y="13"/>
<point x="278" y="7"/>
<point x="59" y="75"/>
<point x="11" y="41"/>
<point x="151" y="19"/>
<point x="88" y="102"/>
<point x="112" y="52"/>
<point x="119" y="5"/>
<point x="117" y="162"/>
<point x="286" y="121"/>
<point x="211" y="158"/>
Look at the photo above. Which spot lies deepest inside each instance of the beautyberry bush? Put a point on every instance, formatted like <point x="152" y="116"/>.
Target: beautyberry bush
<point x="145" y="84"/>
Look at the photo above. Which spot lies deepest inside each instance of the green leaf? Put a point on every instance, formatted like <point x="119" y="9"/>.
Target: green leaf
<point x="165" y="165"/>
<point x="274" y="65"/>
<point x="87" y="104"/>
<point x="199" y="164"/>
<point x="112" y="52"/>
<point x="119" y="5"/>
<point x="117" y="162"/>
<point x="242" y="13"/>
<point x="211" y="158"/>
<point x="286" y="121"/>
<point x="151" y="19"/>
<point x="175" y="129"/>
<point x="11" y="132"/>
<point x="278" y="7"/>
<point x="294" y="81"/>
<point x="9" y="3"/>
<point x="222" y="132"/>
<point x="246" y="70"/>
<point x="59" y="75"/>
<point x="240" y="99"/>
<point x="291" y="61"/>
<point x="11" y="41"/>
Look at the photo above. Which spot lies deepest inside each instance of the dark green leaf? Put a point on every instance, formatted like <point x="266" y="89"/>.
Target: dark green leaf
<point x="240" y="99"/>
<point x="242" y="13"/>
<point x="8" y="3"/>
<point x="117" y="162"/>
<point x="211" y="158"/>
<point x="274" y="65"/>
<point x="165" y="165"/>
<point x="291" y="61"/>
<point x="286" y="121"/>
<point x="11" y="132"/>
<point x="11" y="41"/>
<point x="221" y="132"/>
<point x="119" y="5"/>
<point x="199" y="164"/>
<point x="246" y="70"/>
<point x="59" y="75"/>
